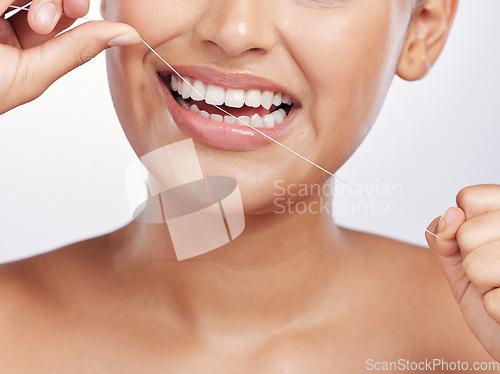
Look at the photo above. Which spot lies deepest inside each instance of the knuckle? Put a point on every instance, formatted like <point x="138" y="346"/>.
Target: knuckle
<point x="86" y="51"/>
<point x="84" y="56"/>
<point x="465" y="198"/>
<point x="491" y="303"/>
<point x="466" y="236"/>
<point x="475" y="270"/>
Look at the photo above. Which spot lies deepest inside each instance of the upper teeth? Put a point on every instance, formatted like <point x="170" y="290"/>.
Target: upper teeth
<point x="215" y="95"/>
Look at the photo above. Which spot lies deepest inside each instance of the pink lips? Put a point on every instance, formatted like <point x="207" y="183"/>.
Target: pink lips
<point x="222" y="135"/>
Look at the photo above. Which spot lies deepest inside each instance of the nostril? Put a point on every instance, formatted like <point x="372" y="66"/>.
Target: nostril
<point x="256" y="49"/>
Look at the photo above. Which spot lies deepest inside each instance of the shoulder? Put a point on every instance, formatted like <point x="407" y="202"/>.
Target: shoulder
<point x="416" y="300"/>
<point x="31" y="284"/>
<point x="408" y="266"/>
<point x="47" y="278"/>
<point x="23" y="282"/>
<point x="402" y="266"/>
<point x="24" y="299"/>
<point x="38" y="298"/>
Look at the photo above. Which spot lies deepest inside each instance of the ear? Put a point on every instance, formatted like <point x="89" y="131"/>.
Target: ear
<point x="103" y="9"/>
<point x="427" y="34"/>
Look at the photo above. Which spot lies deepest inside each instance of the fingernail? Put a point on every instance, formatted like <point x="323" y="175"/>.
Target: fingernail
<point x="442" y="224"/>
<point x="124" y="40"/>
<point x="46" y="15"/>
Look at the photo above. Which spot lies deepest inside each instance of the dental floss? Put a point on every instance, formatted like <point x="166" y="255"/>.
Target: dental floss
<point x="25" y="7"/>
<point x="16" y="10"/>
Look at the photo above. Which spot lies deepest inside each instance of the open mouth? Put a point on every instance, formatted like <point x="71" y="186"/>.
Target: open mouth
<point x="257" y="108"/>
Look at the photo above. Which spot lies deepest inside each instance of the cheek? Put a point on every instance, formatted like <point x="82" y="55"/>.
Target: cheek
<point x="349" y="62"/>
<point x="127" y="82"/>
<point x="132" y="80"/>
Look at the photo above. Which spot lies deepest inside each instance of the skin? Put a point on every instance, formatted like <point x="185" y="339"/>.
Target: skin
<point x="295" y="293"/>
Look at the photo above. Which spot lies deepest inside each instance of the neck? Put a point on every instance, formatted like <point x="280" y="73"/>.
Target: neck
<point x="276" y="270"/>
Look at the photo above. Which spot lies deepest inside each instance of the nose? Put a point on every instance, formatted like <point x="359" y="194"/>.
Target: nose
<point x="238" y="26"/>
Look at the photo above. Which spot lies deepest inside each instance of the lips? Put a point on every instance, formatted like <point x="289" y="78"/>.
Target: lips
<point x="251" y="107"/>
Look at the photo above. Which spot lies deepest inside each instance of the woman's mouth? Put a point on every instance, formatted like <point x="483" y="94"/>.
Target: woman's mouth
<point x="192" y="106"/>
<point x="260" y="109"/>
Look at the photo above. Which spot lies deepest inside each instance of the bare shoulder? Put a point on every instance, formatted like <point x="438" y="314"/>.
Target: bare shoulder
<point x="23" y="286"/>
<point x="24" y="294"/>
<point x="49" y="277"/>
<point x="34" y="295"/>
<point x="36" y="277"/>
<point x="418" y="299"/>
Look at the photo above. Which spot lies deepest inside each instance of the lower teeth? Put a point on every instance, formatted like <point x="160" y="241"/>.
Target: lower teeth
<point x="269" y="121"/>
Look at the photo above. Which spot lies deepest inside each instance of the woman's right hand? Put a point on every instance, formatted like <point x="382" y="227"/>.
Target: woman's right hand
<point x="31" y="58"/>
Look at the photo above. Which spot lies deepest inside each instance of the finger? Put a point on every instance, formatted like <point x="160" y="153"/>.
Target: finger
<point x="76" y="8"/>
<point x="43" y="15"/>
<point x="42" y="65"/>
<point x="482" y="267"/>
<point x="7" y="34"/>
<point x="479" y="231"/>
<point x="446" y="248"/>
<point x="480" y="199"/>
<point x="491" y="303"/>
<point x="28" y="38"/>
<point x="446" y="227"/>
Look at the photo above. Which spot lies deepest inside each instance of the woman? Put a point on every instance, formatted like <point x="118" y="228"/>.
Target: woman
<point x="294" y="293"/>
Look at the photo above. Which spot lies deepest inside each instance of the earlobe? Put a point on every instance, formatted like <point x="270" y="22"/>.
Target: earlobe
<point x="414" y="63"/>
<point x="427" y="35"/>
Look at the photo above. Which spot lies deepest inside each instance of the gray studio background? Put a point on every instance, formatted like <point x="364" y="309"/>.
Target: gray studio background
<point x="63" y="157"/>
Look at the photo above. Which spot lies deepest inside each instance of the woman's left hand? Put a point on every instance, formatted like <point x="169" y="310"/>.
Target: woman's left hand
<point x="468" y="251"/>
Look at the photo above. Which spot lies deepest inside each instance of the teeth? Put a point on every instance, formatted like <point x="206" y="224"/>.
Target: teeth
<point x="173" y="83"/>
<point x="199" y="91"/>
<point x="232" y="98"/>
<point x="287" y="99"/>
<point x="230" y="120"/>
<point x="216" y="117"/>
<point x="182" y="103"/>
<point x="277" y="99"/>
<point x="235" y="98"/>
<point x="267" y="99"/>
<point x="257" y="121"/>
<point x="244" y="119"/>
<point x="253" y="99"/>
<point x="269" y="121"/>
<point x="215" y="95"/>
<point x="186" y="90"/>
<point x="279" y="116"/>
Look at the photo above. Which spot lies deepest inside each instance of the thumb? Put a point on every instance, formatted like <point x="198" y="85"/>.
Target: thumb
<point x="446" y="248"/>
<point x="41" y="66"/>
